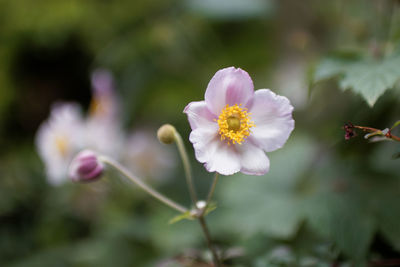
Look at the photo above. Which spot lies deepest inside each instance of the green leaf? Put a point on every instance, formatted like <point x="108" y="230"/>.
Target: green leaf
<point x="368" y="77"/>
<point x="335" y="64"/>
<point x="210" y="207"/>
<point x="184" y="216"/>
<point x="397" y="123"/>
<point x="371" y="78"/>
<point x="271" y="204"/>
<point x="329" y="68"/>
<point x="189" y="215"/>
<point x="343" y="220"/>
<point x="388" y="216"/>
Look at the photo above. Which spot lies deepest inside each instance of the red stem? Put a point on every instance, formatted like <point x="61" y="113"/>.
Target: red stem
<point x="371" y="130"/>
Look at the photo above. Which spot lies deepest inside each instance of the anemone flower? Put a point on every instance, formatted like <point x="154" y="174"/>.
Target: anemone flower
<point x="234" y="126"/>
<point x="59" y="138"/>
<point x="104" y="132"/>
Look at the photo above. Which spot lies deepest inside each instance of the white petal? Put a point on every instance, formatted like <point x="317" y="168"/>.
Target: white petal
<point x="216" y="155"/>
<point x="199" y="115"/>
<point x="272" y="115"/>
<point x="202" y="140"/>
<point x="228" y="86"/>
<point x="65" y="122"/>
<point x="253" y="159"/>
<point x="224" y="159"/>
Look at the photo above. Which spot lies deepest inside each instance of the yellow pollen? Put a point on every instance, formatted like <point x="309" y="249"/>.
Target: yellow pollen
<point x="99" y="106"/>
<point x="234" y="124"/>
<point x="62" y="145"/>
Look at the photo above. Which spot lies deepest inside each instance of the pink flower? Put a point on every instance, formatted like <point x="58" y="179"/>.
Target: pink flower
<point x="59" y="138"/>
<point x="103" y="131"/>
<point x="233" y="127"/>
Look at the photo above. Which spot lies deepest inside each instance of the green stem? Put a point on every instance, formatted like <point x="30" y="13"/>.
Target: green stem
<point x="209" y="241"/>
<point x="212" y="189"/>
<point x="204" y="224"/>
<point x="186" y="166"/>
<point x="193" y="195"/>
<point x="142" y="185"/>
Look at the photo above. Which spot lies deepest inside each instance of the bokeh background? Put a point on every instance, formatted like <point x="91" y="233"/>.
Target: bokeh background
<point x="325" y="202"/>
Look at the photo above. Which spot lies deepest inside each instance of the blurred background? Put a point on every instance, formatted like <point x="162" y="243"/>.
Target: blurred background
<point x="325" y="202"/>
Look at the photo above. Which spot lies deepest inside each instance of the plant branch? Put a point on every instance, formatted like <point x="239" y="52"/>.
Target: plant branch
<point x="209" y="240"/>
<point x="186" y="166"/>
<point x="142" y="185"/>
<point x="193" y="195"/>
<point x="212" y="189"/>
<point x="373" y="130"/>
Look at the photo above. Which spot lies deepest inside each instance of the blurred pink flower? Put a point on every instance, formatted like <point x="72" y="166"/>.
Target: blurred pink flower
<point x="58" y="140"/>
<point x="235" y="125"/>
<point x="103" y="125"/>
<point x="104" y="104"/>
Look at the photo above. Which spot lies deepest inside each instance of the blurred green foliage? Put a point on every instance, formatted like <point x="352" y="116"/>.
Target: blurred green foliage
<point x="324" y="202"/>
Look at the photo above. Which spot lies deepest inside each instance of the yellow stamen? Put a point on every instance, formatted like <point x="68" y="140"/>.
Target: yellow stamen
<point x="99" y="106"/>
<point x="234" y="124"/>
<point x="62" y="145"/>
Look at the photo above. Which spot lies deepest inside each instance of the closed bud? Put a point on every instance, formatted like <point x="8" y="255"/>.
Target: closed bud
<point x="166" y="134"/>
<point x="85" y="167"/>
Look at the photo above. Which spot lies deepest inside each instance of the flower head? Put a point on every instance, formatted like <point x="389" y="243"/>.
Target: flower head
<point x="85" y="167"/>
<point x="235" y="125"/>
<point x="103" y="125"/>
<point x="59" y="138"/>
<point x="104" y="103"/>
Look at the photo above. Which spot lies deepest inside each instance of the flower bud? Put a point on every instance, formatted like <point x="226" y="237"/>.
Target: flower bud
<point x="85" y="167"/>
<point x="166" y="134"/>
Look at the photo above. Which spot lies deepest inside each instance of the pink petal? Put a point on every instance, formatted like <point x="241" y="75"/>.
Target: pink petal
<point x="216" y="155"/>
<point x="228" y="86"/>
<point x="253" y="159"/>
<point x="199" y="115"/>
<point x="272" y="115"/>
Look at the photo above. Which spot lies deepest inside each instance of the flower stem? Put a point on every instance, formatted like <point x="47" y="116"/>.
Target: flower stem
<point x="209" y="240"/>
<point x="204" y="224"/>
<point x="193" y="195"/>
<point x="186" y="166"/>
<point x="212" y="189"/>
<point x="371" y="130"/>
<point x="142" y="185"/>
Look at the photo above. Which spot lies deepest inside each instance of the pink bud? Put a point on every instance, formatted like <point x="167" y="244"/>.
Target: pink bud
<point x="85" y="167"/>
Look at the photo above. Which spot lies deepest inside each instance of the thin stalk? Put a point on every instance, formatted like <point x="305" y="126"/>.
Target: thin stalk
<point x="142" y="185"/>
<point x="371" y="130"/>
<point x="209" y="241"/>
<point x="186" y="166"/>
<point x="193" y="195"/>
<point x="212" y="189"/>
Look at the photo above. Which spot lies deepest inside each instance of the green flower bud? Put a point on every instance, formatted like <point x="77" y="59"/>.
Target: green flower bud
<point x="166" y="134"/>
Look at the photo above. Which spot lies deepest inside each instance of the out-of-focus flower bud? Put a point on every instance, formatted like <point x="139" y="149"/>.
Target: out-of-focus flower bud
<point x="85" y="167"/>
<point x="166" y="134"/>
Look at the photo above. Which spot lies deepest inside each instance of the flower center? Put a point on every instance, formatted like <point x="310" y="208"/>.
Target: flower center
<point x="234" y="124"/>
<point x="99" y="106"/>
<point x="62" y="145"/>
